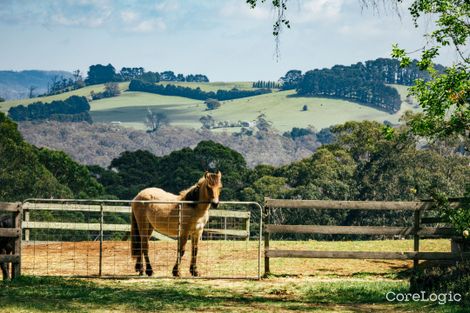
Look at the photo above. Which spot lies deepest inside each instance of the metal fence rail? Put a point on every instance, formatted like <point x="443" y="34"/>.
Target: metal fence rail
<point x="227" y="231"/>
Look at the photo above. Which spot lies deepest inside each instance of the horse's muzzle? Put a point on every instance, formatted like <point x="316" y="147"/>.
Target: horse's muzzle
<point x="214" y="204"/>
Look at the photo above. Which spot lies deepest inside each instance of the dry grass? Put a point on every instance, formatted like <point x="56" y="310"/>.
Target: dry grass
<point x="217" y="258"/>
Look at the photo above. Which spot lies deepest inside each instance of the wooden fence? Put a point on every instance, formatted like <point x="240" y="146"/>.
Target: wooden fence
<point x="15" y="233"/>
<point x="417" y="231"/>
<point x="106" y="208"/>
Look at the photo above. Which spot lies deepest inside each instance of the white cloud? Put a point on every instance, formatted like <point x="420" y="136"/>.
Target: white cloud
<point x="147" y="26"/>
<point x="167" y="6"/>
<point x="129" y="16"/>
<point x="86" y="21"/>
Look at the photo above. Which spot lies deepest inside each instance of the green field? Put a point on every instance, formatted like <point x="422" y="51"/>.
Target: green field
<point x="282" y="108"/>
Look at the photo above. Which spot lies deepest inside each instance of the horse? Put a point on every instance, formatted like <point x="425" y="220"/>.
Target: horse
<point x="165" y="219"/>
<point x="7" y="245"/>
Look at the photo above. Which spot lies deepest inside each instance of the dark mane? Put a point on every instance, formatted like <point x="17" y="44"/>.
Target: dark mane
<point x="192" y="194"/>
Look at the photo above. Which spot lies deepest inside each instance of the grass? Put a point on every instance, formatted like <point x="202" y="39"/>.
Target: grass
<point x="281" y="108"/>
<point x="54" y="294"/>
<point x="5" y="106"/>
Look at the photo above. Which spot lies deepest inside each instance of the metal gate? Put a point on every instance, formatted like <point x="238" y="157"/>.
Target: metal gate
<point x="90" y="238"/>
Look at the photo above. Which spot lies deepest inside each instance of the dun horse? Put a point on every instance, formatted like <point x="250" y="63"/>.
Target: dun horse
<point x="165" y="219"/>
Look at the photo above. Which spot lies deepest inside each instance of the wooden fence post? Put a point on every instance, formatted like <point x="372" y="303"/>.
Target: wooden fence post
<point x="100" y="270"/>
<point x="26" y="219"/>
<point x="247" y="227"/>
<point x="417" y="219"/>
<point x="16" y="266"/>
<point x="266" y="242"/>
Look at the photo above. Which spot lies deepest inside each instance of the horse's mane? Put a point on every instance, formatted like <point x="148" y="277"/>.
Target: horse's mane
<point x="192" y="193"/>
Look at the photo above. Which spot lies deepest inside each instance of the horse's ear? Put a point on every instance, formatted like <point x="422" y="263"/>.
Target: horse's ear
<point x="206" y="174"/>
<point x="219" y="174"/>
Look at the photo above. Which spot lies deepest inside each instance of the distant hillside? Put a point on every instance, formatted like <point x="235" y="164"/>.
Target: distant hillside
<point x="15" y="85"/>
<point x="100" y="143"/>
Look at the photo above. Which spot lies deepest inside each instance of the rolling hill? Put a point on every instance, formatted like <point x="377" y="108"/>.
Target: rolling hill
<point x="15" y="85"/>
<point x="282" y="108"/>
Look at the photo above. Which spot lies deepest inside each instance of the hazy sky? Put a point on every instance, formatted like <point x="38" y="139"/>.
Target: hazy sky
<point x="223" y="39"/>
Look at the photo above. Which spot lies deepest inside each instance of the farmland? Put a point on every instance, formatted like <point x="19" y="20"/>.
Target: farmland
<point x="282" y="108"/>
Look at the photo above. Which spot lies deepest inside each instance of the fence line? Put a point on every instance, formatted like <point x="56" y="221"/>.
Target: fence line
<point x="237" y="227"/>
<point x="417" y="231"/>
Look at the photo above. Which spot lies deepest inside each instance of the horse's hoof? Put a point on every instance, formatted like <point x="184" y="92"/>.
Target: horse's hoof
<point x="149" y="272"/>
<point x="176" y="272"/>
<point x="141" y="273"/>
<point x="194" y="272"/>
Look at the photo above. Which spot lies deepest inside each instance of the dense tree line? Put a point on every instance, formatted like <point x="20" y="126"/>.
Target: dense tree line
<point x="100" y="74"/>
<point x="363" y="83"/>
<point x="336" y="84"/>
<point x="72" y="109"/>
<point x="197" y="93"/>
<point x="266" y="84"/>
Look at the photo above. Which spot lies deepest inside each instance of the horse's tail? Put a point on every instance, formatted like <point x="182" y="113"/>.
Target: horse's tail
<point x="136" y="241"/>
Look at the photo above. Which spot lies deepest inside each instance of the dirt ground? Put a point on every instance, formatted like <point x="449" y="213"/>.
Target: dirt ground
<point x="216" y="258"/>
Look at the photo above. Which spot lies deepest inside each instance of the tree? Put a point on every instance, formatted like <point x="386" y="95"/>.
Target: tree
<point x="207" y="121"/>
<point x="31" y="91"/>
<point x="445" y="98"/>
<point x="155" y="120"/>
<point x="212" y="104"/>
<point x="291" y="79"/>
<point x="111" y="89"/>
<point x="99" y="74"/>
<point x="262" y="123"/>
<point x="305" y="108"/>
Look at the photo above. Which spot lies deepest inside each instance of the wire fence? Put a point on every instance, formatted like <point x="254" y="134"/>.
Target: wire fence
<point x="92" y="238"/>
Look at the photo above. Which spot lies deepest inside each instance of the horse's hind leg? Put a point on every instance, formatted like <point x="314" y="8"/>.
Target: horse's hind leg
<point x="145" y="248"/>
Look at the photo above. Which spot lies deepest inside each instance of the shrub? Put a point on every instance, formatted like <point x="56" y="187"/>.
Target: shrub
<point x="444" y="279"/>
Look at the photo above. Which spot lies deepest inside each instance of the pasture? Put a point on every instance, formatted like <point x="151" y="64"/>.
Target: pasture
<point x="283" y="110"/>
<point x="315" y="285"/>
<point x="280" y="107"/>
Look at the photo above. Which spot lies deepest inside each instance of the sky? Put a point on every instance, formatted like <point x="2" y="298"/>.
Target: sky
<point x="223" y="39"/>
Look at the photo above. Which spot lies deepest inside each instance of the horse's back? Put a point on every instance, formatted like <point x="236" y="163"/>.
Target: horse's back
<point x="155" y="212"/>
<point x="155" y="194"/>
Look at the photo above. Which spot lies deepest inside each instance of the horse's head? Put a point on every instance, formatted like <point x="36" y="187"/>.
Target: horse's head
<point x="213" y="186"/>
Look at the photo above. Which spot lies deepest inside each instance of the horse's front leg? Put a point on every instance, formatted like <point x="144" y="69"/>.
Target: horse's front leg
<point x="181" y="248"/>
<point x="195" y="237"/>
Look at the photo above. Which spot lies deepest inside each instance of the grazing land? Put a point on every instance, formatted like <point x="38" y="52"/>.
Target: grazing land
<point x="301" y="285"/>
<point x="282" y="108"/>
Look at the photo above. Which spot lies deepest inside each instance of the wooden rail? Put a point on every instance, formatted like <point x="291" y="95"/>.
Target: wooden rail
<point x="417" y="231"/>
<point x="15" y="235"/>
<point x="70" y="207"/>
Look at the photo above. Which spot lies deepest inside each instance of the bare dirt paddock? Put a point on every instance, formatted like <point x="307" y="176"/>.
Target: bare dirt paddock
<point x="216" y="258"/>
